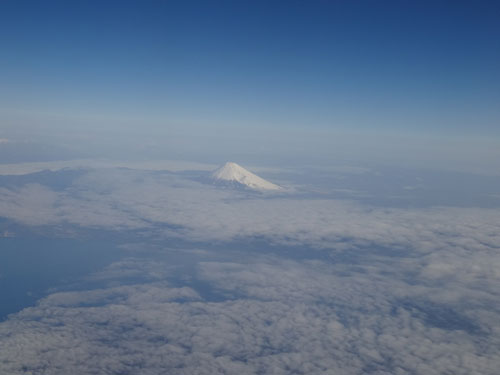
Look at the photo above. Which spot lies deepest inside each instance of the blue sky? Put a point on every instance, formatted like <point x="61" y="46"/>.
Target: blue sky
<point x="192" y="67"/>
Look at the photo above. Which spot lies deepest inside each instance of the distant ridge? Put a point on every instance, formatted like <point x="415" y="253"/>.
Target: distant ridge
<point x="233" y="173"/>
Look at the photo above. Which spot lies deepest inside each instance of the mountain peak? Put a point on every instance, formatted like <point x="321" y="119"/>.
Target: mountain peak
<point x="234" y="173"/>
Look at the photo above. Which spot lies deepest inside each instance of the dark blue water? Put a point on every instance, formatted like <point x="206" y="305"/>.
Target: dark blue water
<point x="29" y="267"/>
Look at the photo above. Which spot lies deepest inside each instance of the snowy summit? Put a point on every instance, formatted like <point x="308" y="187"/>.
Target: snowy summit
<point x="234" y="174"/>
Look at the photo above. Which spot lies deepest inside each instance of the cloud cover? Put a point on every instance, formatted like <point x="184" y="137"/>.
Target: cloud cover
<point x="131" y="199"/>
<point x="377" y="290"/>
<point x="278" y="317"/>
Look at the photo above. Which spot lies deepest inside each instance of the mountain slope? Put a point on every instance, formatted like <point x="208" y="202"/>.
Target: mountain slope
<point x="233" y="173"/>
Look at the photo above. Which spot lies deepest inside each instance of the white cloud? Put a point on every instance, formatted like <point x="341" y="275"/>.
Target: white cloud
<point x="116" y="199"/>
<point x="286" y="318"/>
<point x="395" y="291"/>
<point x="32" y="204"/>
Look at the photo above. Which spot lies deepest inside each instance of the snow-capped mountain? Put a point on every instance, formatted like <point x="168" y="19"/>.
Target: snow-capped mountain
<point x="232" y="173"/>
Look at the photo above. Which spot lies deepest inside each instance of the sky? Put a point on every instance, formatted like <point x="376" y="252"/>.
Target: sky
<point x="266" y="73"/>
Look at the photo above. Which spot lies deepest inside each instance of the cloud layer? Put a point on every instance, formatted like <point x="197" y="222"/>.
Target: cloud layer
<point x="278" y="317"/>
<point x="127" y="199"/>
<point x="286" y="285"/>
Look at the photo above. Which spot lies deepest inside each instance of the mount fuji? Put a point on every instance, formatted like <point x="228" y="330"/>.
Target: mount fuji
<point x="233" y="174"/>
